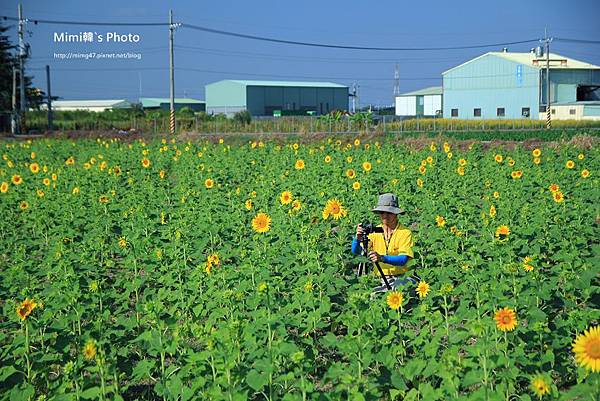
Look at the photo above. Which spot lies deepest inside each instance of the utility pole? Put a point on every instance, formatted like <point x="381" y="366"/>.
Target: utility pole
<point x="22" y="54"/>
<point x="171" y="76"/>
<point x="548" y="113"/>
<point x="14" y="121"/>
<point x="50" y="125"/>
<point x="396" y="81"/>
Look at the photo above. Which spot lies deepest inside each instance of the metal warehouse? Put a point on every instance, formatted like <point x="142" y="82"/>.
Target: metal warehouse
<point x="269" y="98"/>
<point x="513" y="85"/>
<point x="155" y="103"/>
<point x="423" y="103"/>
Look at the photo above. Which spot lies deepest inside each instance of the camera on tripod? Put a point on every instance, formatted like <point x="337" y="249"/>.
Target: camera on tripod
<point x="369" y="228"/>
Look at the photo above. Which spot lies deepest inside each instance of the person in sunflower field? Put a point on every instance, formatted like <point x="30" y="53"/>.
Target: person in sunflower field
<point x="392" y="248"/>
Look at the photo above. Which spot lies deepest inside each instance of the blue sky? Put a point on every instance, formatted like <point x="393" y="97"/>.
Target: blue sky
<point x="202" y="58"/>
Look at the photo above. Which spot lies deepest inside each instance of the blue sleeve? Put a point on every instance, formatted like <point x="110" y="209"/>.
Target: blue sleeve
<point x="355" y="246"/>
<point x="398" y="260"/>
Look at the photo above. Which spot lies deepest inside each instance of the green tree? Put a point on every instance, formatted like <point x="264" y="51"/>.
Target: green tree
<point x="8" y="59"/>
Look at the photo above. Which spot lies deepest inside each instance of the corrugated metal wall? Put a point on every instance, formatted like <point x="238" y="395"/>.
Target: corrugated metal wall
<point x="262" y="100"/>
<point x="225" y="97"/>
<point x="489" y="83"/>
<point x="563" y="84"/>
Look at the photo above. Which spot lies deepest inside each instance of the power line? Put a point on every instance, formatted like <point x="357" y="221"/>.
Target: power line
<point x="331" y="46"/>
<point x="269" y="39"/>
<point x="56" y="22"/>
<point x="341" y="60"/>
<point x="594" y="42"/>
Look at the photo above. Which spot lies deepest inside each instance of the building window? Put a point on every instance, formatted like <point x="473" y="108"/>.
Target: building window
<point x="500" y="112"/>
<point x="542" y="109"/>
<point x="553" y="111"/>
<point x="476" y="112"/>
<point x="525" y="112"/>
<point x="572" y="112"/>
<point x="454" y="112"/>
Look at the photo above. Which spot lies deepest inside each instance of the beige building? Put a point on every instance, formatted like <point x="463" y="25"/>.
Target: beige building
<point x="574" y="111"/>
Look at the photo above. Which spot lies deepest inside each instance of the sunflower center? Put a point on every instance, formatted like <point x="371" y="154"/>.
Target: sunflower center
<point x="335" y="209"/>
<point x="506" y="319"/>
<point x="592" y="348"/>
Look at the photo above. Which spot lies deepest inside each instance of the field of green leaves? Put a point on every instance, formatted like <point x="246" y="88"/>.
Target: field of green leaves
<point x="206" y="271"/>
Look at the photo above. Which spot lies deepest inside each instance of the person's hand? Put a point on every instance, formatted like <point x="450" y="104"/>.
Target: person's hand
<point x="374" y="256"/>
<point x="359" y="231"/>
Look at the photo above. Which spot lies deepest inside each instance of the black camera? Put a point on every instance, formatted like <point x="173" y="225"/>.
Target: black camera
<point x="370" y="228"/>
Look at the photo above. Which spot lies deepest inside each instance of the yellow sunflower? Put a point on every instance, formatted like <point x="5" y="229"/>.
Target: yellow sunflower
<point x="296" y="205"/>
<point x="145" y="162"/>
<point x="24" y="205"/>
<point x="285" y="198"/>
<point x="460" y="170"/>
<point x="89" y="350"/>
<point x="209" y="183"/>
<point x="419" y="183"/>
<point x="366" y="166"/>
<point x="4" y="187"/>
<point x="261" y="223"/>
<point x="299" y="164"/>
<point x="395" y="299"/>
<point x="422" y="289"/>
<point x="502" y="232"/>
<point x="539" y="385"/>
<point x="334" y="208"/>
<point x="587" y="349"/>
<point x="558" y="197"/>
<point x="327" y="159"/>
<point x="34" y="168"/>
<point x="357" y="142"/>
<point x="350" y="173"/>
<point x="17" y="180"/>
<point x="585" y="173"/>
<point x="441" y="222"/>
<point x="26" y="307"/>
<point x="506" y="319"/>
<point x="570" y="164"/>
<point x="580" y="156"/>
<point x="462" y="162"/>
<point x="537" y="160"/>
<point x="496" y="194"/>
<point x="492" y="211"/>
<point x="536" y="153"/>
<point x="356" y="185"/>
<point x="248" y="204"/>
<point x="422" y="169"/>
<point x="554" y="188"/>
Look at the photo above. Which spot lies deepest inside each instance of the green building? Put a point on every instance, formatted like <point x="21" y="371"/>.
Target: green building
<point x="155" y="103"/>
<point x="513" y="85"/>
<point x="268" y="98"/>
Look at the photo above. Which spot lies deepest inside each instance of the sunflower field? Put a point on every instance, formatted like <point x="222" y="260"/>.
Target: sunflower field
<point x="173" y="270"/>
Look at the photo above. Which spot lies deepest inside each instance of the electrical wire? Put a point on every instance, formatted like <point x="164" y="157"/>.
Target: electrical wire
<point x="331" y="46"/>
<point x="56" y="22"/>
<point x="594" y="42"/>
<point x="269" y="39"/>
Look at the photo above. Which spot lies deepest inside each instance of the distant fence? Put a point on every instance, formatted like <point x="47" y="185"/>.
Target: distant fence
<point x="289" y="124"/>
